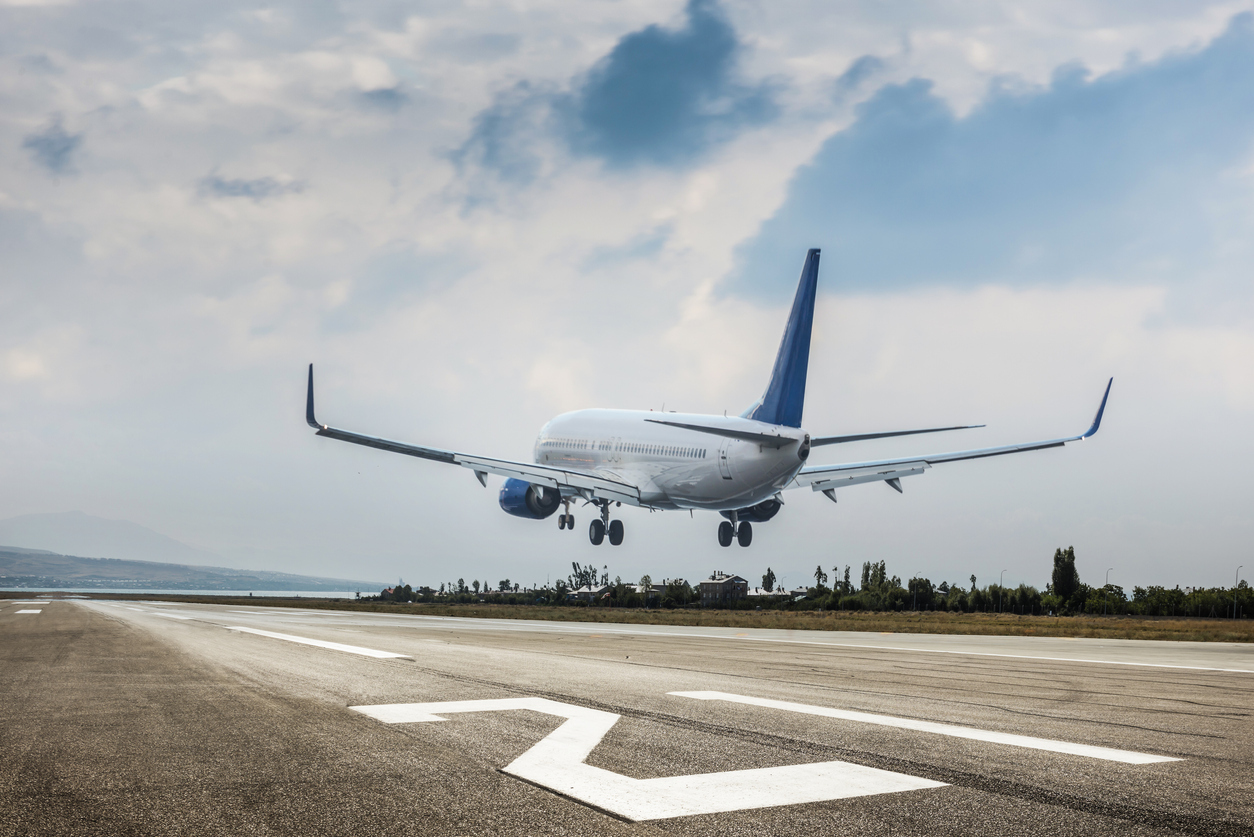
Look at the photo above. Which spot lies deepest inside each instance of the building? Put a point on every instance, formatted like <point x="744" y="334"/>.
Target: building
<point x="720" y="589"/>
<point x="588" y="593"/>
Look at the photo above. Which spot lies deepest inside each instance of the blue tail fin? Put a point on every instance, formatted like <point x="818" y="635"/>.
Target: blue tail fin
<point x="785" y="395"/>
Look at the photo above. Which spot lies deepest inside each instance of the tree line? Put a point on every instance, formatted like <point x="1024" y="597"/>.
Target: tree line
<point x="875" y="590"/>
<point x="1065" y="594"/>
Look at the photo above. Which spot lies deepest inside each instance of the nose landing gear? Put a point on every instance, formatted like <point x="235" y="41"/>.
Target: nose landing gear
<point x="566" y="520"/>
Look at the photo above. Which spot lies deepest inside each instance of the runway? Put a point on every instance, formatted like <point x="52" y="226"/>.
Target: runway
<point x="151" y="718"/>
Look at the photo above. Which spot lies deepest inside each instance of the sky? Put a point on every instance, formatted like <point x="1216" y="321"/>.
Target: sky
<point x="473" y="217"/>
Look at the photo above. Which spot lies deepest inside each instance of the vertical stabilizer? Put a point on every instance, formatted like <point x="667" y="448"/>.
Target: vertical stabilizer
<point x="785" y="395"/>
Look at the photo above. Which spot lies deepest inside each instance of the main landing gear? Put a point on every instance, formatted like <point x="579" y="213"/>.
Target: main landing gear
<point x="598" y="529"/>
<point x="566" y="520"/>
<point x="741" y="532"/>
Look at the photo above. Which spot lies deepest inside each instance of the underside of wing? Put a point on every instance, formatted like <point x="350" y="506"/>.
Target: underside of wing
<point x="588" y="484"/>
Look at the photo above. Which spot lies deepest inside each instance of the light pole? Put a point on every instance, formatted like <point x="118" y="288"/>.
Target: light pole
<point x="999" y="589"/>
<point x="1106" y="589"/>
<point x="914" y="582"/>
<point x="1234" y="591"/>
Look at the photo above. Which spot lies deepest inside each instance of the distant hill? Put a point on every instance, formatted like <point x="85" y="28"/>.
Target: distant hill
<point x="21" y="568"/>
<point x="76" y="533"/>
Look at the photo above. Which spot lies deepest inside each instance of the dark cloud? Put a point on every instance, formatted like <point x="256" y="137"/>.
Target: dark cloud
<point x="1125" y="175"/>
<point x="52" y="147"/>
<point x="661" y="97"/>
<point x="258" y="189"/>
<point x="859" y="71"/>
<point x="389" y="98"/>
<point x="506" y="134"/>
<point x="665" y="96"/>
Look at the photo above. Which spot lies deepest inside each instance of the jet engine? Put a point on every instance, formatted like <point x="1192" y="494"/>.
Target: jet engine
<point x="534" y="502"/>
<point x="760" y="513"/>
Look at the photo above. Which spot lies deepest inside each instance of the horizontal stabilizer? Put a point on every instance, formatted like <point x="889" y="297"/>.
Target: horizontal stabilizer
<point x="768" y="439"/>
<point x="861" y="437"/>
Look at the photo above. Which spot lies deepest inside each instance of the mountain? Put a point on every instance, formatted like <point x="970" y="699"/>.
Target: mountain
<point x="46" y="550"/>
<point x="75" y="533"/>
<point x="39" y="568"/>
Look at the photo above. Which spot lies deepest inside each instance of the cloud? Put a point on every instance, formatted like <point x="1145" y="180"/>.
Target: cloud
<point x="859" y="71"/>
<point x="258" y="189"/>
<point x="1131" y="175"/>
<point x="666" y="96"/>
<point x="52" y="147"/>
<point x="661" y="97"/>
<point x="505" y="136"/>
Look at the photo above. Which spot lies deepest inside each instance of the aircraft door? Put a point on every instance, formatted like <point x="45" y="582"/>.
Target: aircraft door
<point x="724" y="462"/>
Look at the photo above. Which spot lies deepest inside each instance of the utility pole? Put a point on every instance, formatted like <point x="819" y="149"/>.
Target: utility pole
<point x="1106" y="589"/>
<point x="999" y="589"/>
<point x="1234" y="591"/>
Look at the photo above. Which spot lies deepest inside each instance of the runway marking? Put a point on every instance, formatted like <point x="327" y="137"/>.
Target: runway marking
<point x="1086" y="750"/>
<point x="28" y="611"/>
<point x="334" y="646"/>
<point x="557" y="763"/>
<point x="550" y="628"/>
<point x="173" y="616"/>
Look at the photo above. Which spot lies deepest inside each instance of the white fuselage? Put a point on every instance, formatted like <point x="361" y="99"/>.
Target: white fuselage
<point x="676" y="468"/>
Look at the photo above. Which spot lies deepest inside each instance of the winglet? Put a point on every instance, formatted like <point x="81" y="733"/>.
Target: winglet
<point x="1097" y="419"/>
<point x="309" y="411"/>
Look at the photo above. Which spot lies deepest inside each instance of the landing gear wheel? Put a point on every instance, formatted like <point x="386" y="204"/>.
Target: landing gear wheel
<point x="596" y="532"/>
<point x="570" y="522"/>
<point x="744" y="535"/>
<point x="561" y="521"/>
<point x="616" y="532"/>
<point x="725" y="533"/>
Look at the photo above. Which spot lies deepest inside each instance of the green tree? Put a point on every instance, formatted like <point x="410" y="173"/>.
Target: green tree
<point x="475" y="585"/>
<point x="1066" y="580"/>
<point x="972" y="582"/>
<point x="820" y="577"/>
<point x="646" y="587"/>
<point x="768" y="580"/>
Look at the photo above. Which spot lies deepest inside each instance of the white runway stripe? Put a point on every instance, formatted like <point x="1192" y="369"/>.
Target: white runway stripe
<point x="1086" y="750"/>
<point x="173" y="616"/>
<point x="334" y="646"/>
<point x="29" y="611"/>
<point x="600" y="628"/>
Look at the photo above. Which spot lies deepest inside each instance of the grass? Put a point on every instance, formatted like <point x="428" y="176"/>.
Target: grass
<point x="981" y="624"/>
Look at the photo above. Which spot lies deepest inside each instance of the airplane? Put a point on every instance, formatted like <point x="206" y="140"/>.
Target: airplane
<point x="738" y="466"/>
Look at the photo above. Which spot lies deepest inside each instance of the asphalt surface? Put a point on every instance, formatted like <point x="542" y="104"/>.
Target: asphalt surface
<point x="119" y="718"/>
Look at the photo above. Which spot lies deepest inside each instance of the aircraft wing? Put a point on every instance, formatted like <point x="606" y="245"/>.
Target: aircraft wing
<point x="827" y="478"/>
<point x="589" y="484"/>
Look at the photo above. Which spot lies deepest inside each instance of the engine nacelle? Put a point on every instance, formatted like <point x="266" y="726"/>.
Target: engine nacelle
<point x="760" y="513"/>
<point x="523" y="499"/>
